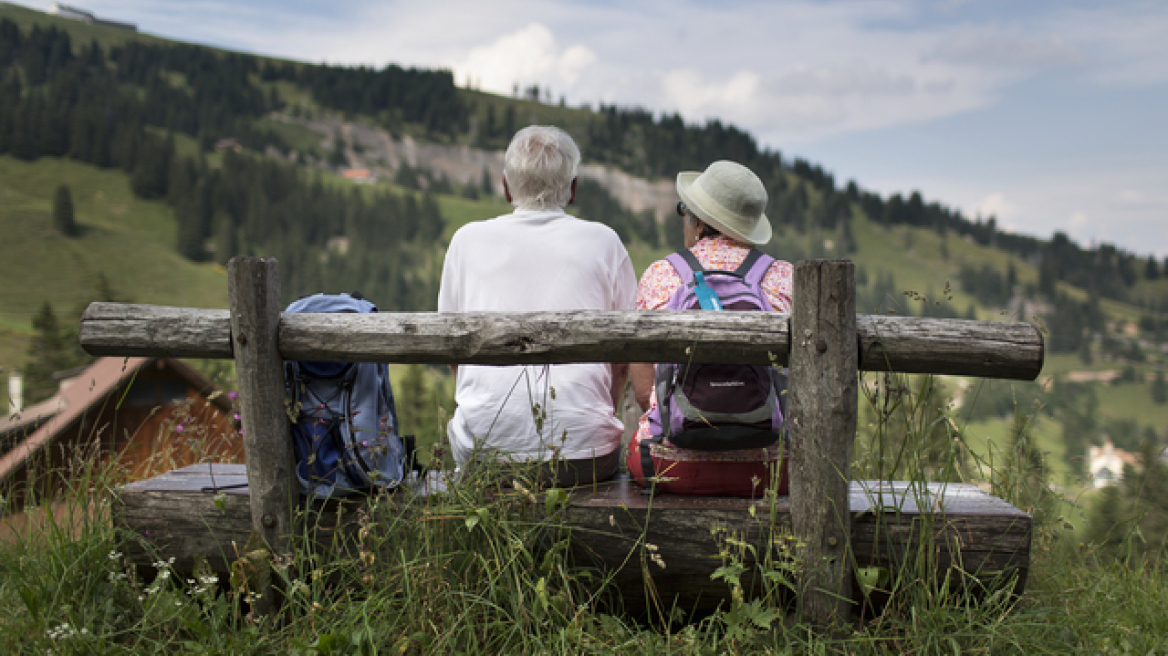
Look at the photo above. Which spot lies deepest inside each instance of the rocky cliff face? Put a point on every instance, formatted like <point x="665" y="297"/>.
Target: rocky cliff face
<point x="375" y="149"/>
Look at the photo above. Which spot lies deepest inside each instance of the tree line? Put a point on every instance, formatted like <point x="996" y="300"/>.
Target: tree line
<point x="113" y="109"/>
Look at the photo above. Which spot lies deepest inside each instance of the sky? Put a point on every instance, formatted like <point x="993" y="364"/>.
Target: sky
<point x="1050" y="115"/>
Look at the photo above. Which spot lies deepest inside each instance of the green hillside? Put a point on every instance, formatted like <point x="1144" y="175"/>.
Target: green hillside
<point x="160" y="208"/>
<point x="129" y="240"/>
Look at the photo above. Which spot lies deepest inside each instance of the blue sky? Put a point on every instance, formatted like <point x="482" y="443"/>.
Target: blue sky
<point x="1049" y="115"/>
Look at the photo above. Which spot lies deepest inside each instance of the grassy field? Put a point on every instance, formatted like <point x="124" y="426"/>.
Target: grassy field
<point x="81" y="33"/>
<point x="481" y="569"/>
<point x="126" y="239"/>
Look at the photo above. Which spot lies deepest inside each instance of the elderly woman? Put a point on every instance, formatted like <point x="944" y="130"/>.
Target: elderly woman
<point x="723" y="212"/>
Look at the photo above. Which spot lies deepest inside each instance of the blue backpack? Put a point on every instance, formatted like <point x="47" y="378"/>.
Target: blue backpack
<point x="344" y="429"/>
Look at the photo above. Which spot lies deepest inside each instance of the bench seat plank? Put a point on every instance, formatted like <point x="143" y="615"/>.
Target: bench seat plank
<point x="969" y="530"/>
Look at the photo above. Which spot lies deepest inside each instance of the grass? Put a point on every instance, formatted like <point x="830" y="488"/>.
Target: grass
<point x="129" y="240"/>
<point x="480" y="570"/>
<point x="80" y="33"/>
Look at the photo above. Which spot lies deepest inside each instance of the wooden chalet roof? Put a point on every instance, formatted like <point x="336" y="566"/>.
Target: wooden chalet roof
<point x="87" y="392"/>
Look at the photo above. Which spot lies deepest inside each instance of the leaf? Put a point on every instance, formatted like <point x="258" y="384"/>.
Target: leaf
<point x="764" y="618"/>
<point x="555" y="497"/>
<point x="731" y="573"/>
<point x="477" y="516"/>
<point x="31" y="601"/>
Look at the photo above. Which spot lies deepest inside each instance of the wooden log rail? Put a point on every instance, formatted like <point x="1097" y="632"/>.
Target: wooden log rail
<point x="823" y="342"/>
<point x="884" y="343"/>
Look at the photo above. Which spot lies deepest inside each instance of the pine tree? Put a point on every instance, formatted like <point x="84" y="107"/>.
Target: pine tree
<point x="48" y="353"/>
<point x="63" y="219"/>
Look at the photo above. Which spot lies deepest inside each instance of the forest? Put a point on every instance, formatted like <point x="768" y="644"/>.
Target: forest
<point x="114" y="108"/>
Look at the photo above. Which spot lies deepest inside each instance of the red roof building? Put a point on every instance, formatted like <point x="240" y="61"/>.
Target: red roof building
<point x="142" y="416"/>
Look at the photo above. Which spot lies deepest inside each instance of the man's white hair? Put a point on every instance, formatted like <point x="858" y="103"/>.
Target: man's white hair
<point x="539" y="165"/>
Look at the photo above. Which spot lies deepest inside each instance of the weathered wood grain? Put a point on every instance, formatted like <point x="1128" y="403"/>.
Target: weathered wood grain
<point x="934" y="529"/>
<point x="950" y="346"/>
<point x="909" y="344"/>
<point x="130" y="329"/>
<point x="254" y="291"/>
<point x="824" y="390"/>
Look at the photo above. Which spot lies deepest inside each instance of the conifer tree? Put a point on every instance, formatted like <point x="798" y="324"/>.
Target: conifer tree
<point x="63" y="219"/>
<point x="48" y="353"/>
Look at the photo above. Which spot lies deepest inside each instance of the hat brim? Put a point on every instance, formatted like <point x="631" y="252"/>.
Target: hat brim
<point x="757" y="237"/>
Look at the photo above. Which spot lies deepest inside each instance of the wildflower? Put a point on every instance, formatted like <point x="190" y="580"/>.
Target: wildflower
<point x="179" y="428"/>
<point x="233" y="395"/>
<point x="236" y="415"/>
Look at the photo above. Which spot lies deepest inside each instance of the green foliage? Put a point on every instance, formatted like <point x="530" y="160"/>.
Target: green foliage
<point x="986" y="284"/>
<point x="424" y="404"/>
<point x="1129" y="521"/>
<point x="485" y="568"/>
<point x="1159" y="389"/>
<point x="51" y="351"/>
<point x="593" y="202"/>
<point x="905" y="431"/>
<point x="1071" y="322"/>
<point x="63" y="218"/>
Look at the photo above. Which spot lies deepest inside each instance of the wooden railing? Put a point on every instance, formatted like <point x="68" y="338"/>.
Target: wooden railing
<point x="823" y="341"/>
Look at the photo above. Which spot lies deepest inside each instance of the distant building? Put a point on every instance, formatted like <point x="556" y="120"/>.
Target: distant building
<point x="1105" y="463"/>
<point x="149" y="415"/>
<point x="357" y="175"/>
<point x="228" y="143"/>
<point x="65" y="11"/>
<point x="75" y="13"/>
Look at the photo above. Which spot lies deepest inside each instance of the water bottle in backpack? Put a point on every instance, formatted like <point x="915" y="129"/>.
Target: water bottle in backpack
<point x="717" y="407"/>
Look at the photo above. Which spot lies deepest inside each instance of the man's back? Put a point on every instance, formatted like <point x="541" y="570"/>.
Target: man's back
<point x="534" y="260"/>
<point x="528" y="261"/>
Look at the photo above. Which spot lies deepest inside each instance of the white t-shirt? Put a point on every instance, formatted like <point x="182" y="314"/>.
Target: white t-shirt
<point x="523" y="262"/>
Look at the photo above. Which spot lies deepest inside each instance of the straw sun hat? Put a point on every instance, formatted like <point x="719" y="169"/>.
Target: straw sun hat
<point x="729" y="197"/>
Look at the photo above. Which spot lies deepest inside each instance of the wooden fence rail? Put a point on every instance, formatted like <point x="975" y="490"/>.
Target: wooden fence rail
<point x="823" y="342"/>
<point x="885" y="343"/>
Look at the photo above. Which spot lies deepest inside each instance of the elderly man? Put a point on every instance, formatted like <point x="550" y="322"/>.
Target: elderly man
<point x="539" y="258"/>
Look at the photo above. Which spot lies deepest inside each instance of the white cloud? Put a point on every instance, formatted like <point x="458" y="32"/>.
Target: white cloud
<point x="530" y="54"/>
<point x="995" y="204"/>
<point x="697" y="97"/>
<point x="989" y="47"/>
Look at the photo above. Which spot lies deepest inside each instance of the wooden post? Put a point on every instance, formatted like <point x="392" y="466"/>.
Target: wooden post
<point x="254" y="290"/>
<point x="823" y="403"/>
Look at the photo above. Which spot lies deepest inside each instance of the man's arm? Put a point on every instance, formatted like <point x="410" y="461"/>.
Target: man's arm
<point x="642" y="374"/>
<point x="620" y="376"/>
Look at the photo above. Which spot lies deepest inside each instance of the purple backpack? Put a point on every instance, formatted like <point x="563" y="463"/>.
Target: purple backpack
<point x="717" y="407"/>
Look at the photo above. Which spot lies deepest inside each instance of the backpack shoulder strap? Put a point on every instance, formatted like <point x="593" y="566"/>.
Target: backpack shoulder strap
<point x="685" y="264"/>
<point x="754" y="267"/>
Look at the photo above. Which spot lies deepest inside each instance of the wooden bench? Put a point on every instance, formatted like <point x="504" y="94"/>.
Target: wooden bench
<point x="823" y="341"/>
<point x="978" y="535"/>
